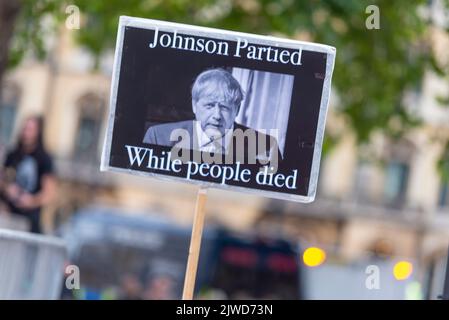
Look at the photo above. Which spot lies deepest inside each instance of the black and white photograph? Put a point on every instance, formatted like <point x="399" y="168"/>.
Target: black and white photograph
<point x="217" y="108"/>
<point x="223" y="102"/>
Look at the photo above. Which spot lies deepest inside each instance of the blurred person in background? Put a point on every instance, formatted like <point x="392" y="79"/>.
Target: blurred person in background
<point x="130" y="288"/>
<point x="27" y="182"/>
<point x="160" y="287"/>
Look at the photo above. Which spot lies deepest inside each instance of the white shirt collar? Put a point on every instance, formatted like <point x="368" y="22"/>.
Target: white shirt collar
<point x="206" y="144"/>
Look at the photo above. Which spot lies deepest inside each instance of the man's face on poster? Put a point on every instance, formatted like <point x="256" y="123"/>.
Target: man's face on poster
<point x="215" y="112"/>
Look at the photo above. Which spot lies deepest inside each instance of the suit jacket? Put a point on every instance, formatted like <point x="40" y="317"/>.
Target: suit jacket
<point x="160" y="135"/>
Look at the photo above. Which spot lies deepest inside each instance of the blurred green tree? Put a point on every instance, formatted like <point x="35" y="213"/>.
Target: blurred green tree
<point x="374" y="68"/>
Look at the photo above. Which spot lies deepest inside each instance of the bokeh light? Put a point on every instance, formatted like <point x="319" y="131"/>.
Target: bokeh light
<point x="402" y="270"/>
<point x="314" y="257"/>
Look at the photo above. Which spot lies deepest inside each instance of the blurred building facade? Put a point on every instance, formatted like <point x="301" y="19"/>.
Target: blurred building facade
<point x="386" y="199"/>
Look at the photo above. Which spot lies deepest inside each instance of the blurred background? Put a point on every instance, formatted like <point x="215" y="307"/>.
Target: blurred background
<point x="378" y="229"/>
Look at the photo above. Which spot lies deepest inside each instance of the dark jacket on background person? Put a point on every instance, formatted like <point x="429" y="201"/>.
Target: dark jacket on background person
<point x="28" y="169"/>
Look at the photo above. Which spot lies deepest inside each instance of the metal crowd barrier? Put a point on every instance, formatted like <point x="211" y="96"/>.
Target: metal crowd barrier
<point x="13" y="222"/>
<point x="31" y="265"/>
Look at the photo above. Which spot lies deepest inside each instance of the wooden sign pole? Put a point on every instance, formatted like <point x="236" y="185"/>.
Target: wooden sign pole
<point x="195" y="244"/>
